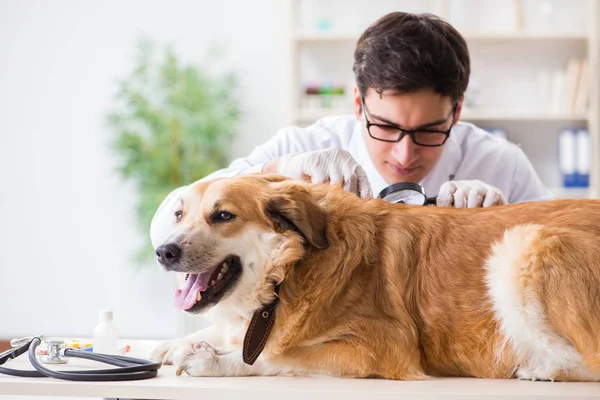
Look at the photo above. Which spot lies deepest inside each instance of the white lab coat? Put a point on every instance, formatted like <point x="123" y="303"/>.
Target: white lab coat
<point x="469" y="153"/>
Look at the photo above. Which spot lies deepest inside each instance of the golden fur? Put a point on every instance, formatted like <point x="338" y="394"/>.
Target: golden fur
<point x="373" y="289"/>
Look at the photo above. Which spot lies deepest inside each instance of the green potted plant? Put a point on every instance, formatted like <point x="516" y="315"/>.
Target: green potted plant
<point x="172" y="124"/>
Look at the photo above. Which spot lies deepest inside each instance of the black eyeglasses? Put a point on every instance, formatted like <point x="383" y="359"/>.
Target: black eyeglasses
<point x="421" y="137"/>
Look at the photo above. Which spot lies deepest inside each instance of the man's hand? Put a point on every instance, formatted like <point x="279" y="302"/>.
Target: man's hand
<point x="469" y="194"/>
<point x="330" y="165"/>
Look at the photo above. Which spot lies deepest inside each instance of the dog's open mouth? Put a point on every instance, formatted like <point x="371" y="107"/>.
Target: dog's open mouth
<point x="202" y="290"/>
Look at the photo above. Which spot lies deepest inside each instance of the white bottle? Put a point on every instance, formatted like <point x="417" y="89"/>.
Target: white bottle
<point x="105" y="334"/>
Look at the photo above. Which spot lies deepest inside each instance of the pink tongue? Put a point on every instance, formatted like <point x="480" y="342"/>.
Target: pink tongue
<point x="186" y="298"/>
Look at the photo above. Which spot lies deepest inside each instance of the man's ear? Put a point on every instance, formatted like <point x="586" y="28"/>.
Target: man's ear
<point x="459" y="108"/>
<point x="292" y="207"/>
<point x="357" y="103"/>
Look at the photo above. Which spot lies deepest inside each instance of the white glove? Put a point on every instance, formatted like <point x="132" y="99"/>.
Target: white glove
<point x="330" y="165"/>
<point x="469" y="194"/>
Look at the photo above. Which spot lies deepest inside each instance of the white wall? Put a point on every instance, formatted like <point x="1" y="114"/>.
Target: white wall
<point x="67" y="229"/>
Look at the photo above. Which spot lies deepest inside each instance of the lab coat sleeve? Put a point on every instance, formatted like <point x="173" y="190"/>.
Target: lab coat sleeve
<point x="320" y="135"/>
<point x="262" y="154"/>
<point x="526" y="184"/>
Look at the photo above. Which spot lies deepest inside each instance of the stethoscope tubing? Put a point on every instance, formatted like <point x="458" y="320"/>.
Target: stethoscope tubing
<point x="130" y="368"/>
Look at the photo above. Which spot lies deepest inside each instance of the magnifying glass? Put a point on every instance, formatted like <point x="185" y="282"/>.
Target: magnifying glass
<point x="406" y="193"/>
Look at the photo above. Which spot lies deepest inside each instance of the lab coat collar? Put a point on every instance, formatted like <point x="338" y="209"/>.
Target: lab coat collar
<point x="447" y="166"/>
<point x="443" y="171"/>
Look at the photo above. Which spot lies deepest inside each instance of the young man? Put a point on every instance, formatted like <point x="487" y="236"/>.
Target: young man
<point x="411" y="75"/>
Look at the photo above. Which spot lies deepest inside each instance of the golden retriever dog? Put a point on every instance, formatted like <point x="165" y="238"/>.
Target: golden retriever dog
<point x="367" y="288"/>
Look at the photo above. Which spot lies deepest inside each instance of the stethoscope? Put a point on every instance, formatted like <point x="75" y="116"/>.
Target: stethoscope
<point x="407" y="193"/>
<point x="130" y="368"/>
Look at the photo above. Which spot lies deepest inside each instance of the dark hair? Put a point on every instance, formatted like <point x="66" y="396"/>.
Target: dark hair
<point x="407" y="52"/>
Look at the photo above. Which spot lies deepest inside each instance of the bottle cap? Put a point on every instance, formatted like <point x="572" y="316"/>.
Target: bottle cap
<point x="106" y="315"/>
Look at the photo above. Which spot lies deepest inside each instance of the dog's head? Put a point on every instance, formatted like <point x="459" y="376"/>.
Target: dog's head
<point x="235" y="238"/>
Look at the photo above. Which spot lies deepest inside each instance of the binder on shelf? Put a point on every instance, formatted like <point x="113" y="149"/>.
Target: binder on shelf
<point x="565" y="90"/>
<point x="571" y="84"/>
<point x="582" y="98"/>
<point x="567" y="148"/>
<point x="582" y="165"/>
<point x="558" y="91"/>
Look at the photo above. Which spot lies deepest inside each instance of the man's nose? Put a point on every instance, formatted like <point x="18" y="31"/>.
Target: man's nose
<point x="405" y="151"/>
<point x="168" y="254"/>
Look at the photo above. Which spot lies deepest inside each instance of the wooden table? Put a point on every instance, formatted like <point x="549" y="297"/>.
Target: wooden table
<point x="169" y="386"/>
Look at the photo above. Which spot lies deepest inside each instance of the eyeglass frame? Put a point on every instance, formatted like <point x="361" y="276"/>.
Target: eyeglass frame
<point x="410" y="132"/>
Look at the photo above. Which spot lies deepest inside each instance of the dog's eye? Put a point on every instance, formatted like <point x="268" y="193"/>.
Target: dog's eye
<point x="178" y="215"/>
<point x="222" y="216"/>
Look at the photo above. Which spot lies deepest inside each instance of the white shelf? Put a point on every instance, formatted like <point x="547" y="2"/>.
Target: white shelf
<point x="570" y="193"/>
<point x="523" y="36"/>
<point x="518" y="115"/>
<point x="307" y="115"/>
<point x="324" y="37"/>
<point x="313" y="114"/>
<point x="469" y="36"/>
<point x="489" y="47"/>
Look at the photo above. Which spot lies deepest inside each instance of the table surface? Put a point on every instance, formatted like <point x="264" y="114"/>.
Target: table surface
<point x="168" y="386"/>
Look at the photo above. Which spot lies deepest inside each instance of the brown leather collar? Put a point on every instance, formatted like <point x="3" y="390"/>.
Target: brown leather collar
<point x="258" y="332"/>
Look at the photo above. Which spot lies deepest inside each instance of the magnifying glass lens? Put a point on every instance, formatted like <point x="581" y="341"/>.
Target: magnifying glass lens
<point x="404" y="192"/>
<point x="407" y="197"/>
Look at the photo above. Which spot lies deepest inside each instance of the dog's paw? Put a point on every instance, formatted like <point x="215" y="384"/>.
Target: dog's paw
<point x="527" y="374"/>
<point x="171" y="351"/>
<point x="203" y="360"/>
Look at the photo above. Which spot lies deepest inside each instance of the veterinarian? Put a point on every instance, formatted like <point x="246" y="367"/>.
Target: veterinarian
<point x="411" y="74"/>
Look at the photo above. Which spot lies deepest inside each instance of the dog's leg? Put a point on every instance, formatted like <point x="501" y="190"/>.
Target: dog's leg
<point x="353" y="360"/>
<point x="332" y="358"/>
<point x="173" y="351"/>
<point x="205" y="360"/>
<point x="545" y="285"/>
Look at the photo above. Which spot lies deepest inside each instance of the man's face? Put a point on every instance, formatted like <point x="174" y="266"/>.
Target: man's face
<point x="404" y="161"/>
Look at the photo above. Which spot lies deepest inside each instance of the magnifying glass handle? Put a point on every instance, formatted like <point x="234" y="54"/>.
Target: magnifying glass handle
<point x="431" y="201"/>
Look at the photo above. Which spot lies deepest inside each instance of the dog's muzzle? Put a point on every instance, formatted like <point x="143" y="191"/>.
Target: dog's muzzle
<point x="168" y="255"/>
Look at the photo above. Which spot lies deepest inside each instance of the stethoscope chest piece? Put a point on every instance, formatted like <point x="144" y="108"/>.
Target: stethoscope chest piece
<point x="53" y="355"/>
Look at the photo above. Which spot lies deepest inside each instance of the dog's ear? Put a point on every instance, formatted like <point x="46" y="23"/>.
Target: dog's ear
<point x="292" y="207"/>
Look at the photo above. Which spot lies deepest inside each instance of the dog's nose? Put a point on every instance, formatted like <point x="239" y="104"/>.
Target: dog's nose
<point x="168" y="254"/>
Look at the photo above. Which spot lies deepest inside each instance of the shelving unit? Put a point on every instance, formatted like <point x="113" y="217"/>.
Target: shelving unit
<point x="307" y="115"/>
<point x="498" y="53"/>
<point x="469" y="36"/>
